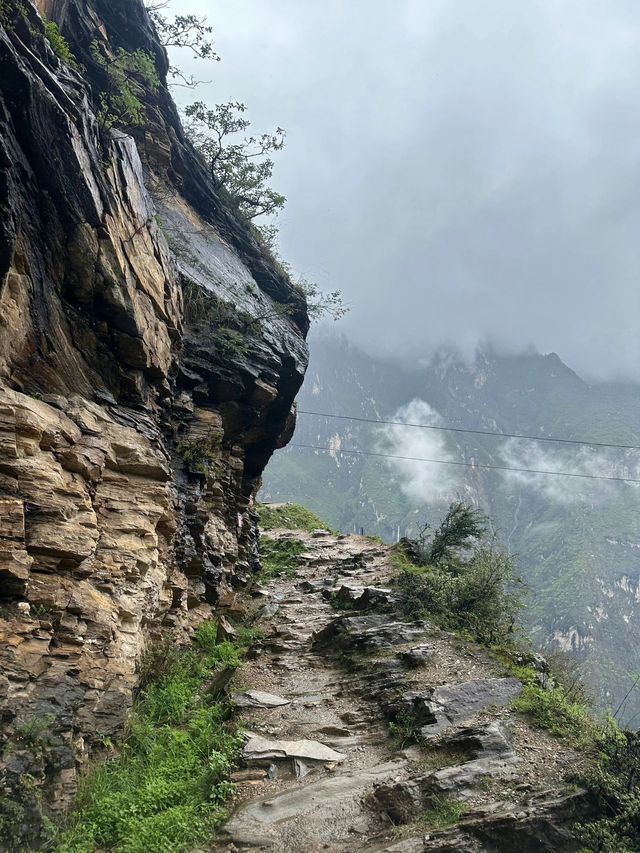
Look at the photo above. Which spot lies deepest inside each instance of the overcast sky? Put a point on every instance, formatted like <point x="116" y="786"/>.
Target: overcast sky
<point x="463" y="170"/>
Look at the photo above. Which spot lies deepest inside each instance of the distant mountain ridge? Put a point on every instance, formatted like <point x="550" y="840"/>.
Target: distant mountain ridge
<point x="577" y="540"/>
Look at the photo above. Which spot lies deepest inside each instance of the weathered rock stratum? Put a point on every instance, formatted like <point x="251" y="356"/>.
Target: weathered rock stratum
<point x="142" y="390"/>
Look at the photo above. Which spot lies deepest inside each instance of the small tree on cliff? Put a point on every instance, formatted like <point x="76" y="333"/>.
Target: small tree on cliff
<point x="480" y="593"/>
<point x="185" y="31"/>
<point x="126" y="73"/>
<point x="462" y="527"/>
<point x="239" y="164"/>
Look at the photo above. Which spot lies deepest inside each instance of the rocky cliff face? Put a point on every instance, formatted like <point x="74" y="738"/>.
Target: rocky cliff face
<point x="150" y="353"/>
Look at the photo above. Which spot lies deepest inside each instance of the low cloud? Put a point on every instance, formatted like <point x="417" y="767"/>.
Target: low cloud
<point x="463" y="171"/>
<point x="421" y="481"/>
<point x="584" y="461"/>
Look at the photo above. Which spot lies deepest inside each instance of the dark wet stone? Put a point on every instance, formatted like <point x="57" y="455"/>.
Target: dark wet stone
<point x="418" y="656"/>
<point x="376" y="631"/>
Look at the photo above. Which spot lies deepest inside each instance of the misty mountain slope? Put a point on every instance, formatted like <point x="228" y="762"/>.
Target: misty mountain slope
<point x="574" y="537"/>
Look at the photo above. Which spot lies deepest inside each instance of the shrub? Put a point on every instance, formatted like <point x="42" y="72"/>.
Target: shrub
<point x="59" y="44"/>
<point x="488" y="596"/>
<point x="481" y="596"/>
<point x="405" y="728"/>
<point x="462" y="527"/>
<point x="35" y="732"/>
<point x="612" y="791"/>
<point x="125" y="73"/>
<point x="200" y="453"/>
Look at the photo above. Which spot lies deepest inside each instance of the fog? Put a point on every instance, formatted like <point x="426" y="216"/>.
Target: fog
<point x="428" y="483"/>
<point x="463" y="171"/>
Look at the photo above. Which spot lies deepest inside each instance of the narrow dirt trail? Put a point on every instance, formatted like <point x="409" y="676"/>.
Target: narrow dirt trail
<point x="323" y="771"/>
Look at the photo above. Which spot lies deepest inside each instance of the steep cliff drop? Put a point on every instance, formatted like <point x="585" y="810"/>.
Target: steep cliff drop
<point x="142" y="391"/>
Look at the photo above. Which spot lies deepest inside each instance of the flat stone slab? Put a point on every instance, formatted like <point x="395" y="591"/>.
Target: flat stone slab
<point x="261" y="749"/>
<point x="258" y="699"/>
<point x="451" y="704"/>
<point x="317" y="806"/>
<point x="419" y="655"/>
<point x="461" y="701"/>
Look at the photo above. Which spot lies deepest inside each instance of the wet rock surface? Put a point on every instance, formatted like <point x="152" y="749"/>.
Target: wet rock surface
<point x="348" y="677"/>
<point x="258" y="699"/>
<point x="131" y="439"/>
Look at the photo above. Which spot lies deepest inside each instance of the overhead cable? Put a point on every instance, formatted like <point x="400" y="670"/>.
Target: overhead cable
<point x="472" y="431"/>
<point x="465" y="464"/>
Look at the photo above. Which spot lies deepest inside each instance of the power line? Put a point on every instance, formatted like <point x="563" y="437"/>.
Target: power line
<point x="472" y="431"/>
<point x="466" y="464"/>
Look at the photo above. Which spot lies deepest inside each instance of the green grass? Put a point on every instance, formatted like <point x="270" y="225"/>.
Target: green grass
<point x="443" y="812"/>
<point x="512" y="657"/>
<point x="404" y="729"/>
<point x="402" y="563"/>
<point x="279" y="556"/>
<point x="167" y="787"/>
<point x="289" y="517"/>
<point x="550" y="708"/>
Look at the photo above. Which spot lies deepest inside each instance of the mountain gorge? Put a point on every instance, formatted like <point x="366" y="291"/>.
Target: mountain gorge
<point x="574" y="537"/>
<point x="184" y="668"/>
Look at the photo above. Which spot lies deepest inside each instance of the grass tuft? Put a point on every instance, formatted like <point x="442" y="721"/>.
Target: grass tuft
<point x="279" y="556"/>
<point x="167" y="787"/>
<point x="443" y="812"/>
<point x="550" y="708"/>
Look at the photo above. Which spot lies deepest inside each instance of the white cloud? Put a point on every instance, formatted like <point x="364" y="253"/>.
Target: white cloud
<point x="585" y="461"/>
<point x="421" y="481"/>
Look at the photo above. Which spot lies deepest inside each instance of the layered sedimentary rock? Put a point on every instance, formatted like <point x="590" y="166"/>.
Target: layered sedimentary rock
<point x="150" y="352"/>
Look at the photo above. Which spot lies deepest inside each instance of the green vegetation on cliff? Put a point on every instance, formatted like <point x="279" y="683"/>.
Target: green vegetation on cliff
<point x="289" y="517"/>
<point x="279" y="556"/>
<point x="59" y="44"/>
<point x="165" y="786"/>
